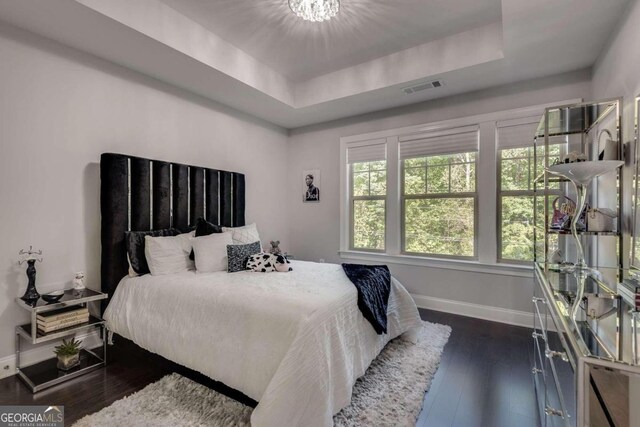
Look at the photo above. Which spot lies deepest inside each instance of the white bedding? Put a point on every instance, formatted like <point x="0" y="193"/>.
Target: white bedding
<point x="295" y="342"/>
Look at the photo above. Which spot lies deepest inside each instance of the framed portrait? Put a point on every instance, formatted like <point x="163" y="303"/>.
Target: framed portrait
<point x="311" y="186"/>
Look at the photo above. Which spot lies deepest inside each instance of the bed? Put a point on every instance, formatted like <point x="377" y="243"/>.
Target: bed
<point x="294" y="342"/>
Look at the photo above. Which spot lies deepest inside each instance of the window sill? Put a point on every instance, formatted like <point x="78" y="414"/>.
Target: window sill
<point x="448" y="264"/>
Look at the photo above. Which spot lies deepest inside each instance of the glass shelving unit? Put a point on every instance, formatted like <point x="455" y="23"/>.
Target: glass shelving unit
<point x="584" y="128"/>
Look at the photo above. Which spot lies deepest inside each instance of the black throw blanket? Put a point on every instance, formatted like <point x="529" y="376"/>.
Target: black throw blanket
<point x="373" y="283"/>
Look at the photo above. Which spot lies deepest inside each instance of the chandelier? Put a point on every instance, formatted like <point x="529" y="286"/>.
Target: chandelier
<point x="315" y="10"/>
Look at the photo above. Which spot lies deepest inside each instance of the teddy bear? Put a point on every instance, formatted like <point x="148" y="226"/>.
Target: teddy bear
<point x="275" y="247"/>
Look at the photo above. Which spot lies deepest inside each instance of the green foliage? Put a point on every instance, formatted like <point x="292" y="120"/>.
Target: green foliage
<point x="441" y="226"/>
<point x="518" y="171"/>
<point x="517" y="227"/>
<point x="369" y="204"/>
<point x="68" y="348"/>
<point x="369" y="224"/>
<point x="370" y="178"/>
<point x="435" y="222"/>
<point x="439" y="203"/>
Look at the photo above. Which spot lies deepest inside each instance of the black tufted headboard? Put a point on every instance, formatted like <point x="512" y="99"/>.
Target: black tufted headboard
<point x="139" y="194"/>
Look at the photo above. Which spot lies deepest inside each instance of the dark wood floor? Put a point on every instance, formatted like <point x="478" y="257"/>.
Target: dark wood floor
<point x="484" y="379"/>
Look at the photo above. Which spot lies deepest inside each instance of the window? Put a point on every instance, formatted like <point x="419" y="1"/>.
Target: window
<point x="438" y="199"/>
<point x="456" y="194"/>
<point x="368" y="196"/>
<point x="517" y="171"/>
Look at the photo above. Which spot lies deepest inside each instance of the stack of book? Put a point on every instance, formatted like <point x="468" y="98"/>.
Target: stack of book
<point x="629" y="290"/>
<point x="63" y="318"/>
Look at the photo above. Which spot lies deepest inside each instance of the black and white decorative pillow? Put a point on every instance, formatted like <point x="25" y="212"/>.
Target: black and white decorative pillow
<point x="239" y="255"/>
<point x="266" y="263"/>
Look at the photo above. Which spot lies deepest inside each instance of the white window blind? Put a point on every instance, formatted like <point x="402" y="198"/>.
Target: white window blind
<point x="451" y="141"/>
<point x="520" y="134"/>
<point x="367" y="153"/>
<point x="516" y="135"/>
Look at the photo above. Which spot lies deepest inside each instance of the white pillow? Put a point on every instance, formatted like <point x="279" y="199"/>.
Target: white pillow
<point x="132" y="272"/>
<point x="211" y="252"/>
<point x="243" y="235"/>
<point x="168" y="255"/>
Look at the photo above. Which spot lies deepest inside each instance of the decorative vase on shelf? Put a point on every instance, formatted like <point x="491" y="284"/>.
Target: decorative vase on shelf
<point x="580" y="175"/>
<point x="31" y="295"/>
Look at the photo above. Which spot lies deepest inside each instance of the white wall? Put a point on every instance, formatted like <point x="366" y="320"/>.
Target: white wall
<point x="617" y="74"/>
<point x="59" y="110"/>
<point x="617" y="70"/>
<point x="315" y="228"/>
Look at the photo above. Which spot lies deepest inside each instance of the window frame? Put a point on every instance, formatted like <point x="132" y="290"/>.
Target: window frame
<point x="500" y="194"/>
<point x="353" y="198"/>
<point x="448" y="195"/>
<point x="487" y="201"/>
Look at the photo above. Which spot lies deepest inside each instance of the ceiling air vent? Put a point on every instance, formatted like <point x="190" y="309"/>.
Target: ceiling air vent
<point x="423" y="86"/>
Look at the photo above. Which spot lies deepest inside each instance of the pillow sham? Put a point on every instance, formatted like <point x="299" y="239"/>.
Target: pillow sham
<point x="204" y="228"/>
<point x="239" y="255"/>
<point x="211" y="252"/>
<point x="134" y="243"/>
<point x="244" y="235"/>
<point x="168" y="255"/>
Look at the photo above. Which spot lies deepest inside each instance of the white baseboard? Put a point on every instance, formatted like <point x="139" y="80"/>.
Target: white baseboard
<point x="43" y="352"/>
<point x="486" y="312"/>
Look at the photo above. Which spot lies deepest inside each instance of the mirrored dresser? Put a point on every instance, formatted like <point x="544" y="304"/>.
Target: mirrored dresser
<point x="586" y="349"/>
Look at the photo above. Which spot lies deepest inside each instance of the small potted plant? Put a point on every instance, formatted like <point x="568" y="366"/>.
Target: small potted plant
<point x="68" y="354"/>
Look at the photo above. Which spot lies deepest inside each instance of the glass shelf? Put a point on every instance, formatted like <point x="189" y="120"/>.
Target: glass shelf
<point x="540" y="178"/>
<point x="71" y="297"/>
<point x="604" y="326"/>
<point x="575" y="119"/>
<point x="25" y="331"/>
<point x="586" y="233"/>
<point x="46" y="374"/>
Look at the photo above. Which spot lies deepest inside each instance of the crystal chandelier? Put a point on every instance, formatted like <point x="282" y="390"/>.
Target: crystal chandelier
<point x="315" y="10"/>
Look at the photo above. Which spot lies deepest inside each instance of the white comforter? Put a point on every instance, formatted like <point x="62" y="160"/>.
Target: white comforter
<point x="295" y="342"/>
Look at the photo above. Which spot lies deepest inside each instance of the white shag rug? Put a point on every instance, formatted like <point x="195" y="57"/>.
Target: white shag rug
<point x="390" y="393"/>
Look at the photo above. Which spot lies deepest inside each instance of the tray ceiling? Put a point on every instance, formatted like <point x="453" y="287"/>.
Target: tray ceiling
<point x="362" y="31"/>
<point x="257" y="57"/>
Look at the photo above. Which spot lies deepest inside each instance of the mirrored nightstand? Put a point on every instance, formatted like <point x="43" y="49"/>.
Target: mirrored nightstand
<point x="44" y="374"/>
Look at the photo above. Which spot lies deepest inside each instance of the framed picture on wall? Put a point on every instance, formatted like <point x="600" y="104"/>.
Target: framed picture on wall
<point x="311" y="186"/>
